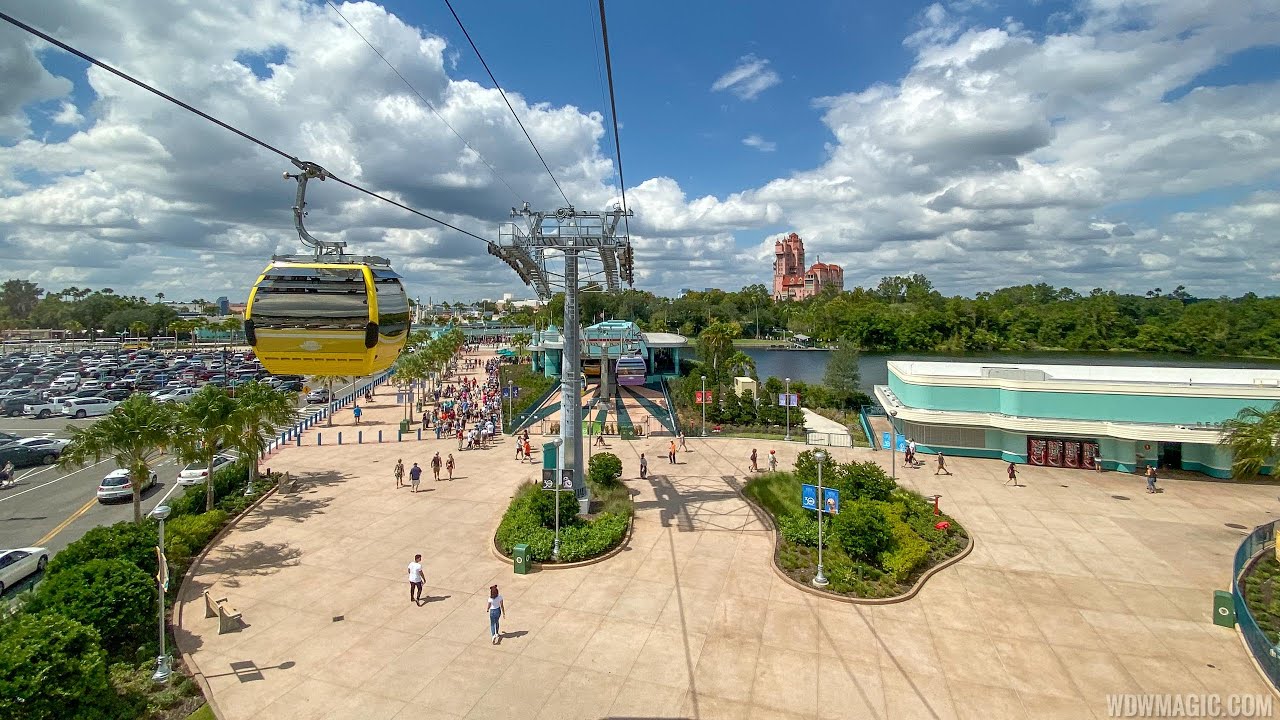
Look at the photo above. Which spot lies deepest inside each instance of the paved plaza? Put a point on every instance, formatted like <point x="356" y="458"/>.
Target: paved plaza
<point x="1080" y="585"/>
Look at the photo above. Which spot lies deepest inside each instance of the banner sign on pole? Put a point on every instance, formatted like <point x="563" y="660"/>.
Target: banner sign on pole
<point x="162" y="574"/>
<point x="792" y="399"/>
<point x="885" y="442"/>
<point x="902" y="443"/>
<point x="702" y="397"/>
<point x="809" y="499"/>
<point x="515" y="391"/>
<point x="506" y="392"/>
<point x="548" y="478"/>
<point x="566" y="481"/>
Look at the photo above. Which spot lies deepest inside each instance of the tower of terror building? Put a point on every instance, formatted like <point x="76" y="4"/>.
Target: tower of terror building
<point x="791" y="281"/>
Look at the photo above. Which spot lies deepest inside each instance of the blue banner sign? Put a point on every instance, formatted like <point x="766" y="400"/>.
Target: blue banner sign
<point x="809" y="498"/>
<point x="506" y="392"/>
<point x="885" y="441"/>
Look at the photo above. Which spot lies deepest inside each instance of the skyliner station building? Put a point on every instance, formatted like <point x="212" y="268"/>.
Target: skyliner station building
<point x="1066" y="415"/>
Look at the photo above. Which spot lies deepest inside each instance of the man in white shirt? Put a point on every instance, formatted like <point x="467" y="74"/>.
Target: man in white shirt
<point x="415" y="580"/>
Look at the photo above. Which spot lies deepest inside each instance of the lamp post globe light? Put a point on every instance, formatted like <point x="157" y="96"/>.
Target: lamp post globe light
<point x="704" y="406"/>
<point x="163" y="669"/>
<point x="820" y="580"/>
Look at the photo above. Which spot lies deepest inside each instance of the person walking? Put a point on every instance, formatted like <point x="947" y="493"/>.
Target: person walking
<point x="644" y="467"/>
<point x="416" y="579"/>
<point x="942" y="465"/>
<point x="519" y="450"/>
<point x="435" y="466"/>
<point x="682" y="445"/>
<point x="1097" y="460"/>
<point x="399" y="473"/>
<point x="671" y="453"/>
<point x="1151" y="479"/>
<point x="415" y="476"/>
<point x="1013" y="475"/>
<point x="773" y="460"/>
<point x="755" y="466"/>
<point x="448" y="465"/>
<point x="496" y="612"/>
<point x="357" y="412"/>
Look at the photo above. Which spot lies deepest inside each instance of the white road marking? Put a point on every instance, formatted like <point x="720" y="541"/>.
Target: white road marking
<point x="176" y="485"/>
<point x="37" y="487"/>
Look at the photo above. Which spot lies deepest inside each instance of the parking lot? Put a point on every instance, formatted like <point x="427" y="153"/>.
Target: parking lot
<point x="47" y="506"/>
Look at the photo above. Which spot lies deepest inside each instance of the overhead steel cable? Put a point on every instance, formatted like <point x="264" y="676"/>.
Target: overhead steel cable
<point x="508" y="102"/>
<point x="613" y="107"/>
<point x="190" y="108"/>
<point x="425" y="101"/>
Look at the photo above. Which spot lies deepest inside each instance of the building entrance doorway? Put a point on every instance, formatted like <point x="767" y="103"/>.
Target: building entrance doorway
<point x="1171" y="455"/>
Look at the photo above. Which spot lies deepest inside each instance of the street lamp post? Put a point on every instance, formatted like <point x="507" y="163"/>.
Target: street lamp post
<point x="787" y="396"/>
<point x="893" y="443"/>
<point x="820" y="580"/>
<point x="555" y="546"/>
<point x="704" y="406"/>
<point x="162" y="660"/>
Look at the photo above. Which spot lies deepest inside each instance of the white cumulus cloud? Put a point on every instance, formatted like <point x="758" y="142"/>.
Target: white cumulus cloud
<point x="748" y="79"/>
<point x="759" y="143"/>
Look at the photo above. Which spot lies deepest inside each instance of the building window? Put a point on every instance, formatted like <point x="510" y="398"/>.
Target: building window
<point x="945" y="435"/>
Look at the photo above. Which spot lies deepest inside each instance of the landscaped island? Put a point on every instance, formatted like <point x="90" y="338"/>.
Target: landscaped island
<point x="531" y="517"/>
<point x="881" y="541"/>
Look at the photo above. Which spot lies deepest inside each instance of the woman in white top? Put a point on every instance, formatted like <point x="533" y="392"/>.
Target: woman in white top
<point x="496" y="611"/>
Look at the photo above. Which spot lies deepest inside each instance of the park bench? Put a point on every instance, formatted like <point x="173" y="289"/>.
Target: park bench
<point x="228" y="616"/>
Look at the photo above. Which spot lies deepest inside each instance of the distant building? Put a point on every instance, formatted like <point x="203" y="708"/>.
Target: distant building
<point x="224" y="306"/>
<point x="791" y="281"/>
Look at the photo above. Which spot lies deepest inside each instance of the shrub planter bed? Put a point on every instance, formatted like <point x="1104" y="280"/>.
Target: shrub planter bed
<point x="531" y="517"/>
<point x="882" y="543"/>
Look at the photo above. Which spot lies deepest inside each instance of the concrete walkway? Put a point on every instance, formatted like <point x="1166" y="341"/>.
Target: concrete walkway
<point x="1080" y="585"/>
<point x="817" y="423"/>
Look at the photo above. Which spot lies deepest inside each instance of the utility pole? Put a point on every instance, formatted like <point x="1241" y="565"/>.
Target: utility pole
<point x="579" y="236"/>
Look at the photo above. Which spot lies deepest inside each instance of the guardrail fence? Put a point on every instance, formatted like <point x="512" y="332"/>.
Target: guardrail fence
<point x="1261" y="540"/>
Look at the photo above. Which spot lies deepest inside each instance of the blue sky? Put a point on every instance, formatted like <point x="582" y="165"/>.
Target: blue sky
<point x="1116" y="143"/>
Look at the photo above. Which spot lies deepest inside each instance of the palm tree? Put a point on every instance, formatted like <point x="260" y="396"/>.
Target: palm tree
<point x="137" y="327"/>
<point x="259" y="411"/>
<point x="328" y="381"/>
<point x="741" y="364"/>
<point x="1254" y="438"/>
<point x="205" y="424"/>
<point x="135" y="434"/>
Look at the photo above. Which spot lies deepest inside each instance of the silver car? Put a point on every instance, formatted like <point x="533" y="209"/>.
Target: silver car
<point x="115" y="486"/>
<point x="15" y="565"/>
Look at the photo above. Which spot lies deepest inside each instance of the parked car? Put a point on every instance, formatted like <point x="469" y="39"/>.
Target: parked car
<point x="319" y="395"/>
<point x="8" y="437"/>
<point x="66" y="382"/>
<point x="84" y="407"/>
<point x="41" y="409"/>
<point x="17" y="564"/>
<point x="23" y="456"/>
<point x="176" y="394"/>
<point x="196" y="472"/>
<point x="115" y="486"/>
<point x="15" y="405"/>
<point x="117" y="394"/>
<point x="38" y="442"/>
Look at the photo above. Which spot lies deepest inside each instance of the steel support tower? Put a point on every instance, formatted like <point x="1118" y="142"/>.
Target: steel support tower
<point x="596" y="259"/>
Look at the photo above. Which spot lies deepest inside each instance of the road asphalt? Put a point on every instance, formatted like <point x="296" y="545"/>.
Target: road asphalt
<point x="51" y="507"/>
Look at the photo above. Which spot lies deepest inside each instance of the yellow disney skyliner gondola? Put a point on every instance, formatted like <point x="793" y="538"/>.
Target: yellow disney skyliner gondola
<point x="329" y="313"/>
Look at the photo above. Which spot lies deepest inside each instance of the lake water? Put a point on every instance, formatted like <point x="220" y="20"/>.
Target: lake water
<point x="809" y="365"/>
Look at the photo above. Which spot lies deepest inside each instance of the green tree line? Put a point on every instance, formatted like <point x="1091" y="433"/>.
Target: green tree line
<point x="24" y="304"/>
<point x="906" y="314"/>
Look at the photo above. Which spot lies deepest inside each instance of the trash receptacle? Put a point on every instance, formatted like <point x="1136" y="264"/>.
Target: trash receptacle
<point x="521" y="556"/>
<point x="1224" y="609"/>
<point x="404" y="426"/>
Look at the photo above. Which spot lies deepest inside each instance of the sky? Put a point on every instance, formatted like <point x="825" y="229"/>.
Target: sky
<point x="1122" y="144"/>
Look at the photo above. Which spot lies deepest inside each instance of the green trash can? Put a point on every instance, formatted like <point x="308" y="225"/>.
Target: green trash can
<point x="404" y="426"/>
<point x="521" y="555"/>
<point x="1224" y="609"/>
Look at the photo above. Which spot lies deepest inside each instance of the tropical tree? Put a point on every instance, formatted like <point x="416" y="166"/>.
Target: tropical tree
<point x="1254" y="438"/>
<point x="327" y="381"/>
<point x="740" y="364"/>
<point x="135" y="435"/>
<point x="259" y="410"/>
<point x="715" y="345"/>
<point x="409" y="369"/>
<point x="842" y="375"/>
<point x="520" y="342"/>
<point x="206" y="422"/>
<point x="137" y="327"/>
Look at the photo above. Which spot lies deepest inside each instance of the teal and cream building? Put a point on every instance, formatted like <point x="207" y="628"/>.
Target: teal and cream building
<point x="1128" y="417"/>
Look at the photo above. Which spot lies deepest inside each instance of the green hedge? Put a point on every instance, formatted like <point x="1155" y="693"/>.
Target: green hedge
<point x="186" y="535"/>
<point x="909" y="551"/>
<point x="530" y="518"/>
<point x="53" y="668"/>
<point x="134" y="543"/>
<point x="113" y="596"/>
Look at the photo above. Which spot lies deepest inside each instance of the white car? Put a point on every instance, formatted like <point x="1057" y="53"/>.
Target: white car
<point x="40" y="442"/>
<point x="84" y="407"/>
<point x="93" y="385"/>
<point x="177" y="394"/>
<point x="115" y="486"/>
<point x="196" y="472"/>
<point x="19" y="563"/>
<point x="66" y="381"/>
